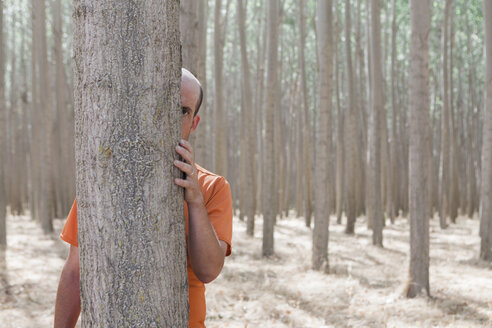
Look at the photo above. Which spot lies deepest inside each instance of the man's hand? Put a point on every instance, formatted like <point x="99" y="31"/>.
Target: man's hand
<point x="206" y="251"/>
<point x="193" y="195"/>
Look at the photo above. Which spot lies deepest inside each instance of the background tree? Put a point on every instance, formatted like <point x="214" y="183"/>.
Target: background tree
<point x="268" y="208"/>
<point x="419" y="116"/>
<point x="220" y="115"/>
<point x="486" y="192"/>
<point x="130" y="214"/>
<point x="377" y="106"/>
<point x="322" y="208"/>
<point x="3" y="137"/>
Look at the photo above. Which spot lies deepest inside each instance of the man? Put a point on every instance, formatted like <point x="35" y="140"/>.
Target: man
<point x="208" y="215"/>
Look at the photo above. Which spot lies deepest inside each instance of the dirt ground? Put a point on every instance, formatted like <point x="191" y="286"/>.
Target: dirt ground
<point x="364" y="287"/>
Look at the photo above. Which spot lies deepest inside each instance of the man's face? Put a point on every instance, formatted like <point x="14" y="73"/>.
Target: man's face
<point x="190" y="94"/>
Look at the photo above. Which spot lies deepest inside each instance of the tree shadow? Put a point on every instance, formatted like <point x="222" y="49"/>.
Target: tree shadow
<point x="459" y="305"/>
<point x="6" y="294"/>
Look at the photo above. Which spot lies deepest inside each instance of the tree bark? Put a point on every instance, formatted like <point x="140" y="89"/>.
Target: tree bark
<point x="46" y="212"/>
<point x="419" y="116"/>
<point x="393" y="207"/>
<point x="323" y="137"/>
<point x="486" y="190"/>
<point x="308" y="200"/>
<point x="269" y="208"/>
<point x="351" y="131"/>
<point x="128" y="121"/>
<point x="3" y="137"/>
<point x="202" y="152"/>
<point x="250" y="140"/>
<point x="220" y="117"/>
<point x="375" y="212"/>
<point x="445" y="148"/>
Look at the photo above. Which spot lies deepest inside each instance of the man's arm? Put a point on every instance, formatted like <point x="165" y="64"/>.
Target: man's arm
<point x="206" y="251"/>
<point x="67" y="307"/>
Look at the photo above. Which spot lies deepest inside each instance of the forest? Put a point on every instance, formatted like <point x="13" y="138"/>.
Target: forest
<point x="355" y="136"/>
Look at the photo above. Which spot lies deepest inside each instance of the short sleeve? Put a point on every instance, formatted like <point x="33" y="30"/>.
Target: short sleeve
<point x="219" y="209"/>
<point x="69" y="232"/>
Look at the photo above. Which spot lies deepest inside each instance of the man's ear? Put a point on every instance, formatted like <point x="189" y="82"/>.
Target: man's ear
<point x="196" y="120"/>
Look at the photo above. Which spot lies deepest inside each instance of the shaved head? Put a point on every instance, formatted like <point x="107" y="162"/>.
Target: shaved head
<point x="191" y="91"/>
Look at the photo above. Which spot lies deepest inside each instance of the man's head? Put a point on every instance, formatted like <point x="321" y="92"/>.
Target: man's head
<point x="191" y="100"/>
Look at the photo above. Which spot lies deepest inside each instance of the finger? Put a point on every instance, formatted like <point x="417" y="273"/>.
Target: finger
<point x="183" y="183"/>
<point x="185" y="154"/>
<point x="186" y="168"/>
<point x="186" y="144"/>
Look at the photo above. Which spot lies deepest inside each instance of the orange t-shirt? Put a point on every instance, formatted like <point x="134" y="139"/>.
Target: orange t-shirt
<point x="218" y="202"/>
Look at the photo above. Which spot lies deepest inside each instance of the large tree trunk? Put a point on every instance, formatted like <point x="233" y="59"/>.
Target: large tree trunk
<point x="269" y="208"/>
<point x="323" y="137"/>
<point x="128" y="121"/>
<point x="486" y="192"/>
<point x="3" y="137"/>
<point x="375" y="213"/>
<point x="419" y="118"/>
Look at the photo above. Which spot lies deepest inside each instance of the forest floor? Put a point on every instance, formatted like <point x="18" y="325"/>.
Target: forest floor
<point x="364" y="288"/>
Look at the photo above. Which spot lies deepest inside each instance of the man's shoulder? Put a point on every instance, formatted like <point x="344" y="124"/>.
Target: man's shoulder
<point x="210" y="177"/>
<point x="211" y="183"/>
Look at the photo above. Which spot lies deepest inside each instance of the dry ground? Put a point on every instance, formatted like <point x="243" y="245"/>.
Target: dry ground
<point x="363" y="289"/>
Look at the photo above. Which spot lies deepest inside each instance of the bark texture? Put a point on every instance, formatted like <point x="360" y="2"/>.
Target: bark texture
<point x="3" y="137"/>
<point x="419" y="117"/>
<point x="220" y="117"/>
<point x="269" y="208"/>
<point x="306" y="147"/>
<point x="351" y="134"/>
<point x="322" y="208"/>
<point x="486" y="192"/>
<point x="445" y="146"/>
<point x="248" y="134"/>
<point x="375" y="211"/>
<point x="128" y="121"/>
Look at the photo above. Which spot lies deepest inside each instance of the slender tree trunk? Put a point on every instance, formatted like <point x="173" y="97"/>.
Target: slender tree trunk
<point x="189" y="34"/>
<point x="486" y="192"/>
<point x="202" y="152"/>
<point x="249" y="133"/>
<point x="445" y="148"/>
<point x="220" y="117"/>
<point x="420" y="11"/>
<point x="128" y="119"/>
<point x="308" y="200"/>
<point x="323" y="138"/>
<point x="64" y="176"/>
<point x="340" y="169"/>
<point x="269" y="208"/>
<point x="375" y="212"/>
<point x="394" y="138"/>
<point x="351" y="132"/>
<point x="3" y="137"/>
<point x="454" y="187"/>
<point x="47" y="191"/>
